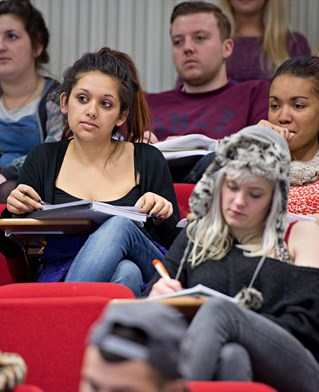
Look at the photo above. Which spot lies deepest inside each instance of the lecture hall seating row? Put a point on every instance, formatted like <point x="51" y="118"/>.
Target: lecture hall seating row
<point x="47" y="324"/>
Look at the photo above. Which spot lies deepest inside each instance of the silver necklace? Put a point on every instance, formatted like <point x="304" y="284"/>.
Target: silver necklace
<point x="24" y="102"/>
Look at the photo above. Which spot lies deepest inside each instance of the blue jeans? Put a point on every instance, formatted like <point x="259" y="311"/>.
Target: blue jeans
<point x="116" y="252"/>
<point x="277" y="357"/>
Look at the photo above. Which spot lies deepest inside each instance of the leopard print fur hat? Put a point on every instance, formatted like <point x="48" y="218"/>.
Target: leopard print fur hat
<point x="259" y="149"/>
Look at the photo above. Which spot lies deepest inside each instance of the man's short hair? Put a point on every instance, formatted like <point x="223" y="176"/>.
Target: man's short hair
<point x="146" y="331"/>
<point x="196" y="7"/>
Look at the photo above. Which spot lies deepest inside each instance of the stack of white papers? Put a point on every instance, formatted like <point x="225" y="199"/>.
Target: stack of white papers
<point x="187" y="145"/>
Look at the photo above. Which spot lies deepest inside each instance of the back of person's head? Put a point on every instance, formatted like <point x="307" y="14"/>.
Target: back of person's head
<point x="305" y="67"/>
<point x="119" y="66"/>
<point x="33" y="22"/>
<point x="254" y="151"/>
<point x="276" y="32"/>
<point x="148" y="331"/>
<point x="196" y="7"/>
<point x="13" y="371"/>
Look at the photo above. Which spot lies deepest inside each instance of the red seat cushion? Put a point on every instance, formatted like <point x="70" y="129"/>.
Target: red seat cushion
<point x="65" y="289"/>
<point x="183" y="192"/>
<point x="27" y="388"/>
<point x="228" y="386"/>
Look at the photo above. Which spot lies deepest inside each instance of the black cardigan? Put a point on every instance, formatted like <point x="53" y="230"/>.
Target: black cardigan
<point x="43" y="164"/>
<point x="291" y="293"/>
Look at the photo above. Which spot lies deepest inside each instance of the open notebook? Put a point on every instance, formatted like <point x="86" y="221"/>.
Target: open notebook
<point x="197" y="291"/>
<point x="97" y="211"/>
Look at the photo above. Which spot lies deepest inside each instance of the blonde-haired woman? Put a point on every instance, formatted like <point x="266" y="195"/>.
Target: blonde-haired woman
<point x="241" y="245"/>
<point x="262" y="38"/>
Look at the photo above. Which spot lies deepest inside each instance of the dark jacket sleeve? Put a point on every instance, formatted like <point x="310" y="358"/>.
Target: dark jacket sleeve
<point x="7" y="246"/>
<point x="42" y="166"/>
<point x="40" y="169"/>
<point x="155" y="177"/>
<point x="296" y="307"/>
<point x="32" y="172"/>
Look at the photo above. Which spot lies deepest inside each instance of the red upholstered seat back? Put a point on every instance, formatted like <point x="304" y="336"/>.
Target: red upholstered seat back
<point x="228" y="386"/>
<point x="66" y="289"/>
<point x="49" y="331"/>
<point x="183" y="192"/>
<point x="27" y="388"/>
<point x="11" y="270"/>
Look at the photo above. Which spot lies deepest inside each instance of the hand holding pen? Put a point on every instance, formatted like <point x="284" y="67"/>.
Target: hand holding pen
<point x="159" y="266"/>
<point x="166" y="284"/>
<point x="39" y="200"/>
<point x="24" y="199"/>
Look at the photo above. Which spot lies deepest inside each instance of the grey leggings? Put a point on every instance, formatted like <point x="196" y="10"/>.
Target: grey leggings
<point x="277" y="358"/>
<point x="233" y="364"/>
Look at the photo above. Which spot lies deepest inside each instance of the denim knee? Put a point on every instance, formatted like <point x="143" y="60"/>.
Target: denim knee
<point x="120" y="223"/>
<point x="128" y="274"/>
<point x="116" y="225"/>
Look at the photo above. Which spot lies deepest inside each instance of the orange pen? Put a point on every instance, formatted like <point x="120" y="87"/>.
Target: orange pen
<point x="161" y="269"/>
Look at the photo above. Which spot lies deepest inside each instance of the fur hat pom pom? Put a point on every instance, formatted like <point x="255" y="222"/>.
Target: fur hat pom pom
<point x="250" y="298"/>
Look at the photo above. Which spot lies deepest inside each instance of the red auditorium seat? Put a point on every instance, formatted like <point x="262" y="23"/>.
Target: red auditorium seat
<point x="228" y="386"/>
<point x="47" y="323"/>
<point x="195" y="386"/>
<point x="27" y="388"/>
<point x="183" y="192"/>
